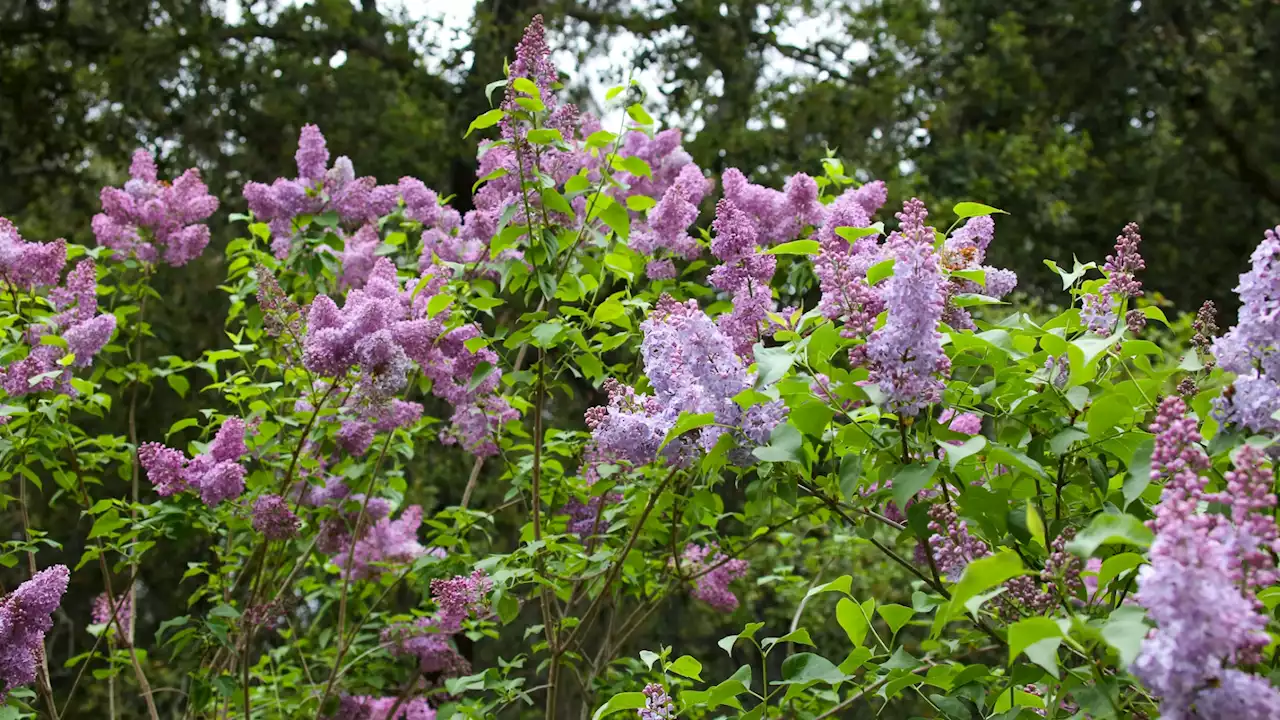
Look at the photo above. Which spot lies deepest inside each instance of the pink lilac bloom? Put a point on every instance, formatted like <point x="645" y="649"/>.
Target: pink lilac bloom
<point x="966" y="423"/>
<point x="85" y="331"/>
<point x="667" y="225"/>
<point x="841" y="266"/>
<point x="777" y="216"/>
<point x="905" y="356"/>
<point x="367" y="707"/>
<point x="215" y="475"/>
<point x="357" y="256"/>
<point x="273" y="518"/>
<point x="25" y="266"/>
<point x="1098" y="311"/>
<point x="1251" y="505"/>
<point x="657" y="704"/>
<point x="714" y="571"/>
<point x="316" y="190"/>
<point x="745" y="272"/>
<point x="24" y="619"/>
<point x="155" y="221"/>
<point x="428" y="638"/>
<point x="387" y="542"/>
<point x="100" y="613"/>
<point x="691" y="366"/>
<point x="1251" y="349"/>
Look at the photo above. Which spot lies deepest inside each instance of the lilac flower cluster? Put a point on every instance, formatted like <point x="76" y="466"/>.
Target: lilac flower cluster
<point x="100" y="613"/>
<point x="385" y="542"/>
<point x="317" y="189"/>
<point x="1099" y="309"/>
<point x="428" y="638"/>
<point x="1206" y="329"/>
<point x="778" y="216"/>
<point x="842" y="266"/>
<point x="1251" y="349"/>
<point x="905" y="356"/>
<point x="745" y="273"/>
<point x="273" y="518"/>
<point x="966" y="250"/>
<point x="951" y="546"/>
<point x="24" y="619"/>
<point x="1199" y="587"/>
<point x="667" y="225"/>
<point x="713" y="571"/>
<point x="657" y="704"/>
<point x="26" y="267"/>
<point x="367" y="707"/>
<point x="154" y="220"/>
<point x="692" y="367"/>
<point x="381" y="330"/>
<point x="215" y="475"/>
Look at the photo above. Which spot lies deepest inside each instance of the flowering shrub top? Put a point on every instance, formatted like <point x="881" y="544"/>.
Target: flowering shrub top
<point x="678" y="395"/>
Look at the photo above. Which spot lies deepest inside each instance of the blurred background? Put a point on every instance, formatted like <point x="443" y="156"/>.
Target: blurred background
<point x="1075" y="116"/>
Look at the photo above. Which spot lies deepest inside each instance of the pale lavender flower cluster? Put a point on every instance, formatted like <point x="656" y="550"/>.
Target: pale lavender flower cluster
<point x="657" y="704"/>
<point x="966" y="249"/>
<point x="24" y="619"/>
<point x="100" y="613"/>
<point x="1098" y="311"/>
<point x="215" y="475"/>
<point x="713" y="571"/>
<point x="273" y="518"/>
<point x="1057" y="370"/>
<point x="317" y="189"/>
<point x="154" y="220"/>
<point x="367" y="707"/>
<point x="905" y="355"/>
<point x="778" y="216"/>
<point x="842" y="266"/>
<point x="1199" y="587"/>
<point x="1251" y="349"/>
<point x="381" y="330"/>
<point x="745" y="273"/>
<point x="385" y="542"/>
<point x="691" y="366"/>
<point x="428" y="638"/>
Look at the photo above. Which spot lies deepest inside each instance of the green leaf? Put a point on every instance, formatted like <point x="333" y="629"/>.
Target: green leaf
<point x="771" y="364"/>
<point x="621" y="701"/>
<point x="1070" y="278"/>
<point x="544" y="136"/>
<point x="841" y="584"/>
<point x="958" y="453"/>
<point x="983" y="574"/>
<point x="616" y="217"/>
<point x="895" y="616"/>
<point x="545" y="334"/>
<point x="803" y="668"/>
<point x="1009" y="456"/>
<point x="179" y="384"/>
<point x="648" y="658"/>
<point x="784" y="445"/>
<point x="852" y="233"/>
<point x="686" y="666"/>
<point x="438" y="303"/>
<point x="812" y="417"/>
<point x="686" y="422"/>
<point x="612" y="311"/>
<point x="636" y="166"/>
<point x="879" y="271"/>
<point x="799" y="636"/>
<point x="637" y="113"/>
<point x="1116" y="564"/>
<point x="855" y="619"/>
<point x="1035" y="525"/>
<point x="181" y="425"/>
<point x="485" y="120"/>
<point x="973" y="209"/>
<point x="601" y="138"/>
<point x="1139" y="476"/>
<point x="911" y="479"/>
<point x="1125" y="630"/>
<point x="1110" y="529"/>
<point x="106" y="524"/>
<point x="526" y="86"/>
<point x="640" y="203"/>
<point x="1039" y="637"/>
<point x="795" y="247"/>
<point x="749" y="631"/>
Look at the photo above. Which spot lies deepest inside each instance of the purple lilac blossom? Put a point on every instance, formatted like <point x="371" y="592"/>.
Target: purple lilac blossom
<point x="841" y="266"/>
<point x="657" y="704"/>
<point x="966" y="250"/>
<point x="154" y="220"/>
<point x="1098" y="311"/>
<point x="745" y="273"/>
<point x="100" y="613"/>
<point x="714" y="572"/>
<point x="24" y="619"/>
<point x="777" y="216"/>
<point x="215" y="475"/>
<point x="273" y="518"/>
<point x="1251" y="349"/>
<point x="367" y="707"/>
<point x="26" y="266"/>
<point x="428" y="638"/>
<point x="905" y="356"/>
<point x="317" y="190"/>
<point x="387" y="542"/>
<point x="692" y="367"/>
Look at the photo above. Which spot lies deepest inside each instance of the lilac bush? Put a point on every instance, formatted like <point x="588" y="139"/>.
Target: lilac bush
<point x="819" y="428"/>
